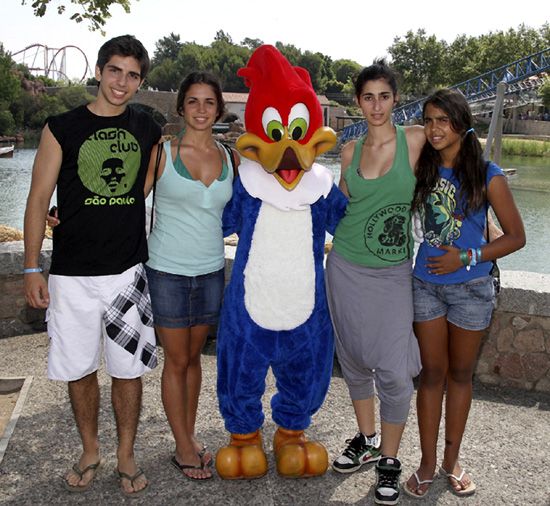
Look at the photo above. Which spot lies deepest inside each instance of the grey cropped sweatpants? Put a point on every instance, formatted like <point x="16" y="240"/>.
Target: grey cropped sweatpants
<point x="372" y="314"/>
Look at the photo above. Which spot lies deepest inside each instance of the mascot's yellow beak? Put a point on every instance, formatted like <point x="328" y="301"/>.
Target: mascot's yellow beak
<point x="286" y="159"/>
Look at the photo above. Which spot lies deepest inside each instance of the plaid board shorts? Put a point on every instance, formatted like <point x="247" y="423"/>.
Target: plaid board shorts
<point x="85" y="309"/>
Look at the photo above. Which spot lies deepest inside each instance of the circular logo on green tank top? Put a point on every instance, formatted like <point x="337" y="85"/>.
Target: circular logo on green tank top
<point x="109" y="162"/>
<point x="387" y="233"/>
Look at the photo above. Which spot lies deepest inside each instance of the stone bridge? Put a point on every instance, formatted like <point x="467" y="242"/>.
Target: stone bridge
<point x="161" y="102"/>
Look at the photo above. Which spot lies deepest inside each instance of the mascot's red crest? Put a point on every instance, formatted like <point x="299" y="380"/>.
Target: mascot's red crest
<point x="274" y="82"/>
<point x="283" y="116"/>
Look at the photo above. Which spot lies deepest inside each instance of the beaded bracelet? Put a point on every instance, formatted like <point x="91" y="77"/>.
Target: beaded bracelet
<point x="473" y="257"/>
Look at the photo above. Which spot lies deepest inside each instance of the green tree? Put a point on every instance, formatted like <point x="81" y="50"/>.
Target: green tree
<point x="94" y="12"/>
<point x="74" y="96"/>
<point x="10" y="85"/>
<point x="39" y="107"/>
<point x="290" y="52"/>
<point x="314" y="64"/>
<point x="544" y="93"/>
<point x="224" y="59"/>
<point x="251" y="43"/>
<point x="344" y="69"/>
<point x="221" y="36"/>
<point x="334" y="86"/>
<point x="7" y="123"/>
<point x="420" y="59"/>
<point x="165" y="76"/>
<point x="10" y="90"/>
<point x="462" y="59"/>
<point x="167" y="48"/>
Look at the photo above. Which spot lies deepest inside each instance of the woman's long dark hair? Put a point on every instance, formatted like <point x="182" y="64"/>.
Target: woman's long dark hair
<point x="468" y="165"/>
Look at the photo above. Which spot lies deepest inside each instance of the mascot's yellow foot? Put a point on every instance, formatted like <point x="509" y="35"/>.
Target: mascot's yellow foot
<point x="243" y="459"/>
<point x="296" y="456"/>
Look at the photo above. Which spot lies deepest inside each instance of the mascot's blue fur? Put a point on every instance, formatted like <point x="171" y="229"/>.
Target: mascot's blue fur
<point x="301" y="358"/>
<point x="275" y="311"/>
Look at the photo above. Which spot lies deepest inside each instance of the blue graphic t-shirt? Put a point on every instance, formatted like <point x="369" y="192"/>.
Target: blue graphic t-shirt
<point x="444" y="223"/>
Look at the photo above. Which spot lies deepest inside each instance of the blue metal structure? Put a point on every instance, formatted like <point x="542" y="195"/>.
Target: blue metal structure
<point x="477" y="89"/>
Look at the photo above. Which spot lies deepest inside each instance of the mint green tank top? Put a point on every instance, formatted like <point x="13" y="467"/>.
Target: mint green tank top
<point x="187" y="237"/>
<point x="376" y="228"/>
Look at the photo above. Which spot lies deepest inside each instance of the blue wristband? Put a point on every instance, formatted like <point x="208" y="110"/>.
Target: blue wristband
<point x="32" y="269"/>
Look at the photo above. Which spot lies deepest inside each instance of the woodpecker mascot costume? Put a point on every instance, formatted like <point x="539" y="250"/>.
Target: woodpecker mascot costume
<point x="275" y="311"/>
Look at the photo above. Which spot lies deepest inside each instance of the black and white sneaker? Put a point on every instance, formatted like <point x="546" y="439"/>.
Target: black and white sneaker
<point x="386" y="491"/>
<point x="360" y="450"/>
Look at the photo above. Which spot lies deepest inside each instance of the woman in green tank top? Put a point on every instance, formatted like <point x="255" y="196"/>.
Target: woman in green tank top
<point x="372" y="241"/>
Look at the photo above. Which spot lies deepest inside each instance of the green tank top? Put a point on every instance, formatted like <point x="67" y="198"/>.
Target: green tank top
<point x="376" y="228"/>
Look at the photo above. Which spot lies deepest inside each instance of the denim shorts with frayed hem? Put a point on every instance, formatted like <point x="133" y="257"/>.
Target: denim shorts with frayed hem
<point x="185" y="301"/>
<point x="467" y="305"/>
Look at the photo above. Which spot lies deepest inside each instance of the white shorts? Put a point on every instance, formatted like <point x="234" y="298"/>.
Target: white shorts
<point x="84" y="308"/>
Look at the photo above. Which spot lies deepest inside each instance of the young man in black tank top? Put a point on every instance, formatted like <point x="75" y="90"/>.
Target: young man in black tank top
<point x="97" y="282"/>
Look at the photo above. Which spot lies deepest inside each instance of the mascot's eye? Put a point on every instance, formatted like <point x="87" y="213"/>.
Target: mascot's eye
<point x="275" y="130"/>
<point x="272" y="123"/>
<point x="298" y="129"/>
<point x="298" y="121"/>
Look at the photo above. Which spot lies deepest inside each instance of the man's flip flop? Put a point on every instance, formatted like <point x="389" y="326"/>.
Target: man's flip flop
<point x="412" y="493"/>
<point x="464" y="491"/>
<point x="123" y="476"/>
<point x="182" y="467"/>
<point x="80" y="473"/>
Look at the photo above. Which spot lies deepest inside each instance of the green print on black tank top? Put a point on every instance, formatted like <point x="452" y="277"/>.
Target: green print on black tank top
<point x="109" y="162"/>
<point x="387" y="233"/>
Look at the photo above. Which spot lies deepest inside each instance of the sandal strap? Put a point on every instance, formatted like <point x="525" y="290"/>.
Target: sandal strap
<point x="81" y="472"/>
<point x="457" y="478"/>
<point x="421" y="482"/>
<point x="131" y="479"/>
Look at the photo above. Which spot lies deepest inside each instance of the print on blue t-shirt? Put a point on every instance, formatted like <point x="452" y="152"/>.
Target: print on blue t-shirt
<point x="444" y="222"/>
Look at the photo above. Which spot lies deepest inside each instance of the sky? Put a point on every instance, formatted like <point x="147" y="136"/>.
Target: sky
<point x="356" y="30"/>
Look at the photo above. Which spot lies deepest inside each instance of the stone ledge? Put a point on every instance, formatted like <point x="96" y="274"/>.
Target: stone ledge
<point x="515" y="353"/>
<point x="12" y="256"/>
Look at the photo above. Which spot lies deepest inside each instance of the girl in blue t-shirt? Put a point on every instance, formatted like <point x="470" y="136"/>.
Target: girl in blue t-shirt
<point x="453" y="288"/>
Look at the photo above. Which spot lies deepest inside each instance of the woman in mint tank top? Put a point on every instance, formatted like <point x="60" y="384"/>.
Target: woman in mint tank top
<point x="185" y="269"/>
<point x="453" y="288"/>
<point x="369" y="280"/>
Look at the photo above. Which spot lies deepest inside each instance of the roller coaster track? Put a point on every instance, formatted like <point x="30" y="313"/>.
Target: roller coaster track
<point x="51" y="62"/>
<point x="521" y="75"/>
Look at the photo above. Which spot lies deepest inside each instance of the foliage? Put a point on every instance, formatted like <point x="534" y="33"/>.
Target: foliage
<point x="7" y="123"/>
<point x="167" y="48"/>
<point x="525" y="147"/>
<point x="10" y="86"/>
<point x="418" y="58"/>
<point x="345" y="69"/>
<point x="426" y="63"/>
<point x="544" y="93"/>
<point x="95" y="12"/>
<point x="73" y="96"/>
<point x="251" y="43"/>
<point x="21" y="109"/>
<point x="173" y="60"/>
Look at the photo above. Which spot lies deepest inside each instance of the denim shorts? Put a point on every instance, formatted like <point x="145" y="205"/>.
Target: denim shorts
<point x="467" y="305"/>
<point x="184" y="301"/>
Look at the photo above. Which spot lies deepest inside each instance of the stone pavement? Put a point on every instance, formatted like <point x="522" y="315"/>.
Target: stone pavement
<point x="506" y="447"/>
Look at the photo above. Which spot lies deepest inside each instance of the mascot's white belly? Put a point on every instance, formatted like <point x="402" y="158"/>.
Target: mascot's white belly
<point x="279" y="278"/>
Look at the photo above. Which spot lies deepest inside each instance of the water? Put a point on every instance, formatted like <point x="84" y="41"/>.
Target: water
<point x="530" y="186"/>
